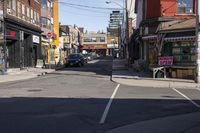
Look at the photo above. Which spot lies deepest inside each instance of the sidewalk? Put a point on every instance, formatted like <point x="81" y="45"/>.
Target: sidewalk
<point x="185" y="123"/>
<point x="17" y="74"/>
<point x="127" y="76"/>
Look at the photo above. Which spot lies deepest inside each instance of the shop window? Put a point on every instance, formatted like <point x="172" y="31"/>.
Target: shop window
<point x="176" y="50"/>
<point x="177" y="58"/>
<point x="185" y="6"/>
<point x="183" y="53"/>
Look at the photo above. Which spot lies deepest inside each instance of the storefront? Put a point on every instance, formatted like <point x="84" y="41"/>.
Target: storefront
<point x="182" y="49"/>
<point x="23" y="45"/>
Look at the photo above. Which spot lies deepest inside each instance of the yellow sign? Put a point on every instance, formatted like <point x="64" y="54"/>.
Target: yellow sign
<point x="66" y="40"/>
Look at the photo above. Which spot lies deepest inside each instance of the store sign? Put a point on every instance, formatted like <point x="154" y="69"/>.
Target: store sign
<point x="165" y="61"/>
<point x="66" y="40"/>
<point x="67" y="46"/>
<point x="36" y="39"/>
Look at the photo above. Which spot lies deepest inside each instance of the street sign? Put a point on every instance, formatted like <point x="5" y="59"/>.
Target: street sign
<point x="49" y="35"/>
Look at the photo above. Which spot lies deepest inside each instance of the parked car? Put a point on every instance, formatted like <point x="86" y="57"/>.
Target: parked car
<point x="85" y="58"/>
<point x="75" y="59"/>
<point x="88" y="56"/>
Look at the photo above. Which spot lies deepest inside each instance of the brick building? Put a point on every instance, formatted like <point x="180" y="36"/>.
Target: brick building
<point x="22" y="32"/>
<point x="166" y="28"/>
<point x="95" y="42"/>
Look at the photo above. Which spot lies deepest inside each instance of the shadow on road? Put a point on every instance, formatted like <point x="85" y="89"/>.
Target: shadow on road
<point x="77" y="115"/>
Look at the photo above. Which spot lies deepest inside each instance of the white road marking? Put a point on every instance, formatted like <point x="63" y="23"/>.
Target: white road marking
<point x="197" y="105"/>
<point x="105" y="113"/>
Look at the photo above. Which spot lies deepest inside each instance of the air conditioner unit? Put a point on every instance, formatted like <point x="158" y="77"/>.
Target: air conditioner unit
<point x="9" y="11"/>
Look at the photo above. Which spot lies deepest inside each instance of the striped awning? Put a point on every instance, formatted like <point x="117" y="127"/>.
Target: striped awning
<point x="45" y="43"/>
<point x="174" y="39"/>
<point x="152" y="37"/>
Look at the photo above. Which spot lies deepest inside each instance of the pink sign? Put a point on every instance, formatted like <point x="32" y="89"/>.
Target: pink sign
<point x="165" y="61"/>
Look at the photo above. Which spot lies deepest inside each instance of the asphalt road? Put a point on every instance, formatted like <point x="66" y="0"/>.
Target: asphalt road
<point x="84" y="100"/>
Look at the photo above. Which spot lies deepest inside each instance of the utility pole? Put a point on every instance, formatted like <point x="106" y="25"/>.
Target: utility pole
<point x="127" y="32"/>
<point x="4" y="37"/>
<point x="197" y="41"/>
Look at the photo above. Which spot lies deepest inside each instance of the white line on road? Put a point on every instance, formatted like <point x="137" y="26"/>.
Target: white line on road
<point x="197" y="105"/>
<point x="105" y="113"/>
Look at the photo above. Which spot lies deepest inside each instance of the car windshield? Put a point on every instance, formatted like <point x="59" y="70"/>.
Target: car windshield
<point x="73" y="56"/>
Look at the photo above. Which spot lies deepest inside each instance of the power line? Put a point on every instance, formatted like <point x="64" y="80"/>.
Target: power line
<point x="89" y="10"/>
<point x="93" y="7"/>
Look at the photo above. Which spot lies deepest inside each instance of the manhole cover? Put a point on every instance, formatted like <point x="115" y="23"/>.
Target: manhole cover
<point x="35" y="90"/>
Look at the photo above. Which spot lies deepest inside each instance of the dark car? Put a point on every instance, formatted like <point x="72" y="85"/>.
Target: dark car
<point x="75" y="60"/>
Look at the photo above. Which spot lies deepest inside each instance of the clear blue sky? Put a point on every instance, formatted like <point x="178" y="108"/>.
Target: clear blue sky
<point x="91" y="19"/>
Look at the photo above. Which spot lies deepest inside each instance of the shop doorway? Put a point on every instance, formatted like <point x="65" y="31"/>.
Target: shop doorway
<point x="34" y="55"/>
<point x="13" y="54"/>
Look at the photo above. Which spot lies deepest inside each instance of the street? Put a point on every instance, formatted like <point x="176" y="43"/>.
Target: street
<point x="85" y="100"/>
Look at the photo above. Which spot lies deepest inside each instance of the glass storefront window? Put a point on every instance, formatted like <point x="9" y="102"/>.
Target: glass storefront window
<point x="177" y="58"/>
<point x="193" y="58"/>
<point x="183" y="53"/>
<point x="176" y="51"/>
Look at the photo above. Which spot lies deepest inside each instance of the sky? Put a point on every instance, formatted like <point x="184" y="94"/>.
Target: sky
<point x="92" y="19"/>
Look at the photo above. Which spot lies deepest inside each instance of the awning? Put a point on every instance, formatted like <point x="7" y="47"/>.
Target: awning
<point x="152" y="37"/>
<point x="174" y="39"/>
<point x="45" y="43"/>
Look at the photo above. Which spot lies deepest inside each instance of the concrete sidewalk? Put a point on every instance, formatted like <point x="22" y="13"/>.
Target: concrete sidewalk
<point x="185" y="123"/>
<point x="17" y="74"/>
<point x="124" y="75"/>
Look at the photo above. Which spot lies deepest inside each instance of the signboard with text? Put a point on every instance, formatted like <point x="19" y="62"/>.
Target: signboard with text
<point x="165" y="61"/>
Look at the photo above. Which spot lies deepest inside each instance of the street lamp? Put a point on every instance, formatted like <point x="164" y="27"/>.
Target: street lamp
<point x="109" y="1"/>
<point x="125" y="19"/>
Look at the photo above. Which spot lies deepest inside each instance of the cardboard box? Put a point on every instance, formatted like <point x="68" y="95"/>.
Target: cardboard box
<point x="190" y="72"/>
<point x="179" y="73"/>
<point x="173" y="74"/>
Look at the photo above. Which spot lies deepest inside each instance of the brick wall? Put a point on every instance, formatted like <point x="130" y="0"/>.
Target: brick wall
<point x="32" y="4"/>
<point x="153" y="9"/>
<point x="163" y="8"/>
<point x="1" y="4"/>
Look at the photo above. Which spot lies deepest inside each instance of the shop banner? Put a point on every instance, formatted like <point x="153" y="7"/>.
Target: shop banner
<point x="165" y="61"/>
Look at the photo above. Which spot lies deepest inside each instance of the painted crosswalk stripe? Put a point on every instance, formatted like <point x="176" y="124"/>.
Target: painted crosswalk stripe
<point x="194" y="103"/>
<point x="105" y="113"/>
